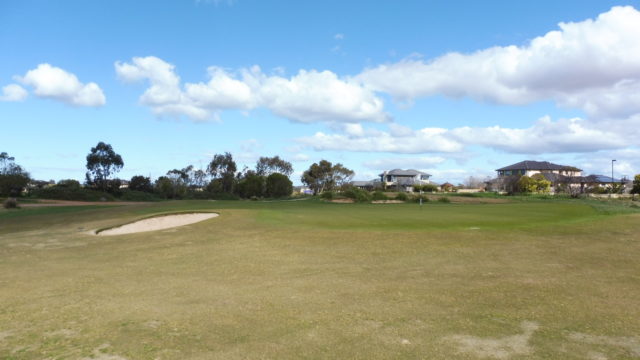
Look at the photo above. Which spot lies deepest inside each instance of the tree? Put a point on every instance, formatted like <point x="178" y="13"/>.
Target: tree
<point x="341" y="175"/>
<point x="251" y="185"/>
<point x="140" y="183"/>
<point x="269" y="165"/>
<point x="318" y="177"/>
<point x="223" y="168"/>
<point x="102" y="162"/>
<point x="13" y="179"/>
<point x="474" y="183"/>
<point x="278" y="185"/>
<point x="534" y="184"/>
<point x="323" y="176"/>
<point x="636" y="185"/>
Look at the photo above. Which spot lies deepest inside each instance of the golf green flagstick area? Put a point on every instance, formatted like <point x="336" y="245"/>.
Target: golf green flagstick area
<point x="554" y="279"/>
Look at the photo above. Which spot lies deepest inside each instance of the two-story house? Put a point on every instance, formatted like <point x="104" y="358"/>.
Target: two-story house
<point x="404" y="179"/>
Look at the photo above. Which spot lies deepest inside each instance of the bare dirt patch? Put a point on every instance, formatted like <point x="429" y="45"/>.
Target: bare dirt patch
<point x="500" y="348"/>
<point x="158" y="223"/>
<point x="629" y="343"/>
<point x="388" y="202"/>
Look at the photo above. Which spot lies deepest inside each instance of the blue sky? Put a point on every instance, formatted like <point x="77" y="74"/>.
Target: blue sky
<point x="455" y="88"/>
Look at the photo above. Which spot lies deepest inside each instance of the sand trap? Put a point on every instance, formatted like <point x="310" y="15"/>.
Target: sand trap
<point x="158" y="223"/>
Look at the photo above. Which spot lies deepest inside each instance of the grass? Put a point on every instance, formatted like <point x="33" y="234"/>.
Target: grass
<point x="309" y="279"/>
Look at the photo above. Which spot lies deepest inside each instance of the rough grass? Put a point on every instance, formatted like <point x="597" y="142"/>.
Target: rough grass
<point x="308" y="279"/>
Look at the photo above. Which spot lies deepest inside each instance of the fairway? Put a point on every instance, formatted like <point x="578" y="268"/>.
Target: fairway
<point x="554" y="279"/>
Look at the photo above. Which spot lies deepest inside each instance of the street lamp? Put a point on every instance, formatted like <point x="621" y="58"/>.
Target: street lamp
<point x="612" y="161"/>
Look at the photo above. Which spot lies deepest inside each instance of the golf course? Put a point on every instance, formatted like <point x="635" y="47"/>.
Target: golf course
<point x="486" y="279"/>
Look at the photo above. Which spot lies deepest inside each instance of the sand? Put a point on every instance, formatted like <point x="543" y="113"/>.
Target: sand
<point x="158" y="223"/>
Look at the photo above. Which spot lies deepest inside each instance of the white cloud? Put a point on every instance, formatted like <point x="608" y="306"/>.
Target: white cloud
<point x="55" y="83"/>
<point x="404" y="162"/>
<point x="600" y="163"/>
<point x="543" y="137"/>
<point x="593" y="65"/>
<point x="309" y="96"/>
<point x="300" y="157"/>
<point x="13" y="92"/>
<point x="371" y="140"/>
<point x="338" y="36"/>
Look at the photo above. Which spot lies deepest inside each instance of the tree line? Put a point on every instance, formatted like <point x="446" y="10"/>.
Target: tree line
<point x="270" y="178"/>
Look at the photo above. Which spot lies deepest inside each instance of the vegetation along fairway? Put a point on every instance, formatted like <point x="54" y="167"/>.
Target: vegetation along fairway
<point x="309" y="279"/>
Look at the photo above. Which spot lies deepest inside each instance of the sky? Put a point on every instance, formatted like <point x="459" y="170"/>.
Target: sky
<point x="452" y="88"/>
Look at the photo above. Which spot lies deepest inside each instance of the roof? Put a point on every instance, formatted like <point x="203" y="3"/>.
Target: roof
<point x="400" y="172"/>
<point x="362" y="183"/>
<point x="537" y="165"/>
<point x="601" y="179"/>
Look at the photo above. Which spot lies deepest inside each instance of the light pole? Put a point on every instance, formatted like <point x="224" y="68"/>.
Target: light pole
<point x="612" y="161"/>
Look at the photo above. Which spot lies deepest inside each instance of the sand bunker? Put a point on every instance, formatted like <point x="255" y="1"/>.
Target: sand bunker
<point x="158" y="223"/>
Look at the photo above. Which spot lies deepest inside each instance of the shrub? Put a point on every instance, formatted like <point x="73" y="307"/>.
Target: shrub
<point x="64" y="193"/>
<point x="357" y="194"/>
<point x="429" y="188"/>
<point x="379" y="195"/>
<point x="134" y="195"/>
<point x="140" y="183"/>
<point x="327" y="195"/>
<point x="224" y="196"/>
<point x="402" y="196"/>
<point x="444" y="199"/>
<point x="278" y="185"/>
<point x="424" y="199"/>
<point x="251" y="185"/>
<point x="10" y="203"/>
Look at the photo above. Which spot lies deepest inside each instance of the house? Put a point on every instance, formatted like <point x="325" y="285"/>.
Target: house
<point x="404" y="179"/>
<point x="367" y="185"/>
<point x="530" y="168"/>
<point x="563" y="178"/>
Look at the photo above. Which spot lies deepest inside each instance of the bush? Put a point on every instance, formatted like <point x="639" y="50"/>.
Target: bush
<point x="10" y="203"/>
<point x="327" y="195"/>
<point x="224" y="196"/>
<point x="251" y="186"/>
<point x="379" y="195"/>
<point x="402" y="196"/>
<point x="424" y="199"/>
<point x="134" y="195"/>
<point x="64" y="193"/>
<point x="278" y="185"/>
<point x="140" y="183"/>
<point x="444" y="199"/>
<point x="357" y="194"/>
<point x="429" y="188"/>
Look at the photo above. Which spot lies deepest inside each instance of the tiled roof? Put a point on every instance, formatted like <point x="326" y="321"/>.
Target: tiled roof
<point x="537" y="165"/>
<point x="410" y="172"/>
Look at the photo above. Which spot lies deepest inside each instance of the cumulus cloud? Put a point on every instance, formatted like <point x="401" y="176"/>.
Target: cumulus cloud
<point x="593" y="65"/>
<point x="373" y="140"/>
<point x="55" y="83"/>
<point x="309" y="96"/>
<point x="13" y="92"/>
<point x="404" y="162"/>
<point x="544" y="137"/>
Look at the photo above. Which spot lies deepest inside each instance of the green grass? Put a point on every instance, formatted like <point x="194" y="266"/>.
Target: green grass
<point x="310" y="279"/>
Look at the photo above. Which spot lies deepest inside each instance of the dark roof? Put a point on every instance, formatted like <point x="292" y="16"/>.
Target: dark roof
<point x="410" y="172"/>
<point x="537" y="165"/>
<point x="601" y="179"/>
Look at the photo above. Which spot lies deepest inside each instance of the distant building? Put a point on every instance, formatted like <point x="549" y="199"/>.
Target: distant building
<point x="404" y="179"/>
<point x="562" y="177"/>
<point x="530" y="168"/>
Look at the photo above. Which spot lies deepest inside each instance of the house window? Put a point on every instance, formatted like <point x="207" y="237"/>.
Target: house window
<point x="424" y="177"/>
